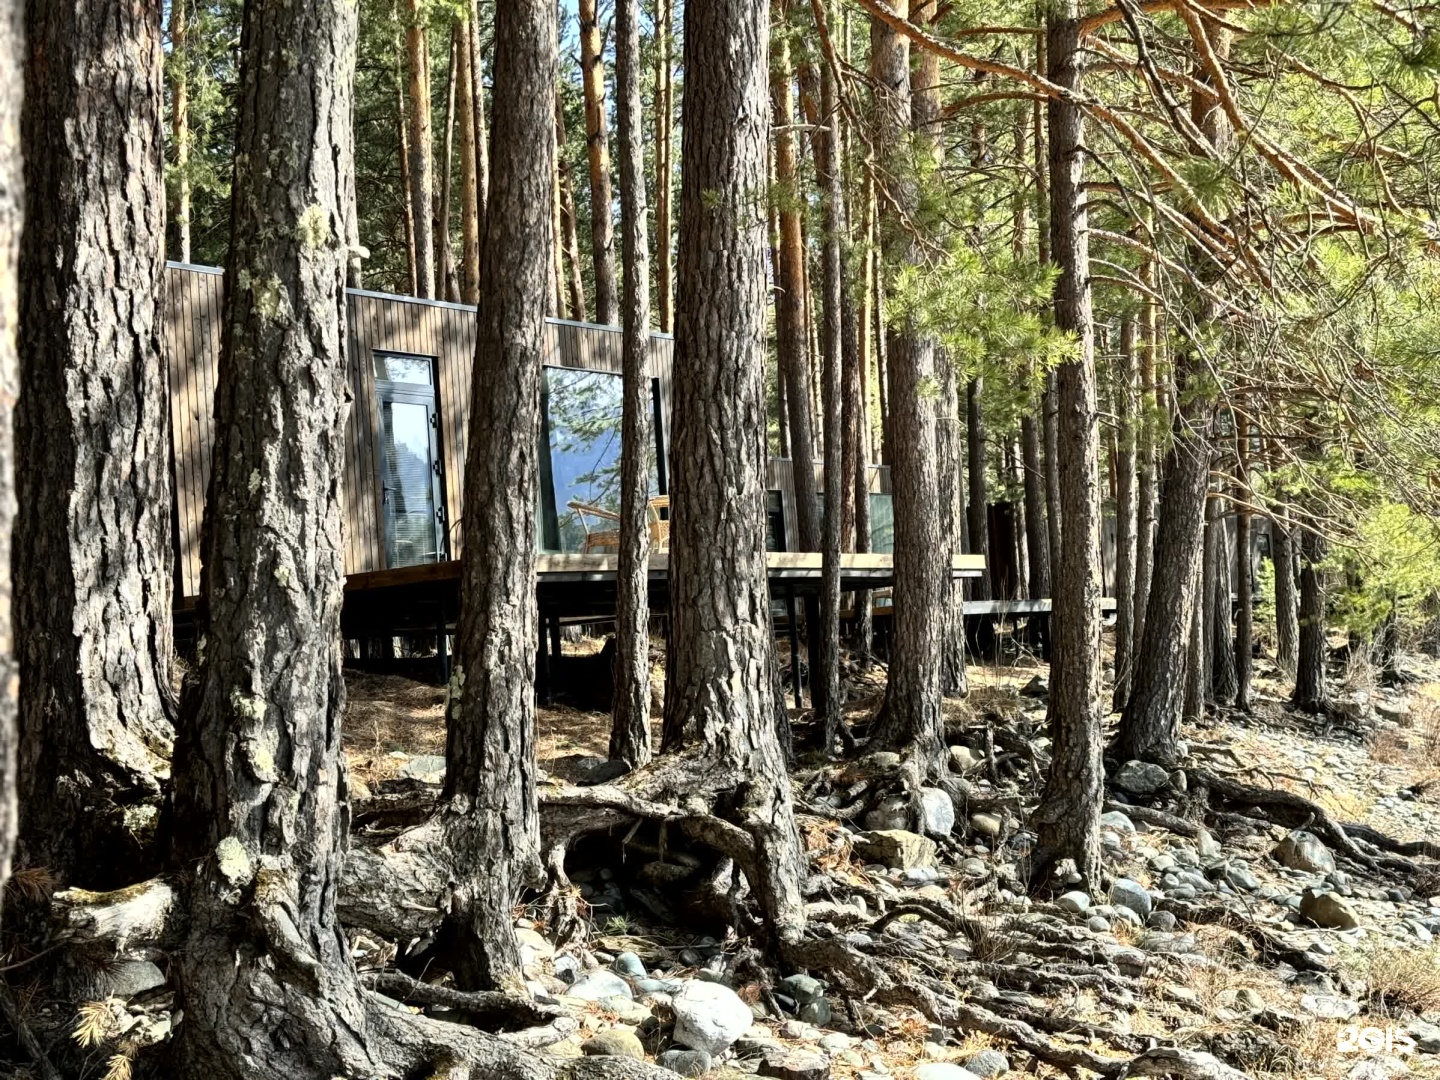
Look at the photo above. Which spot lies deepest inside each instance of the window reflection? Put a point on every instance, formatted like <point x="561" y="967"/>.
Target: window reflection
<point x="882" y="524"/>
<point x="582" y="421"/>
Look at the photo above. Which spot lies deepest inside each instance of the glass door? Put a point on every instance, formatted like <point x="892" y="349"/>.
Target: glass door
<point x="411" y="481"/>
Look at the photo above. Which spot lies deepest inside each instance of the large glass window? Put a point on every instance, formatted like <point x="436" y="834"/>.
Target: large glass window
<point x="774" y="522"/>
<point x="580" y="474"/>
<point x="412" y="493"/>
<point x="882" y="524"/>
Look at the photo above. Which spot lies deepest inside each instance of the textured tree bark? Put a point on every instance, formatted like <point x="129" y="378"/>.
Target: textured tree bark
<point x="791" y="333"/>
<point x="556" y="300"/>
<point x="402" y="123"/>
<point x="1050" y="419"/>
<point x="719" y="705"/>
<point x="1125" y="517"/>
<point x="1310" y="691"/>
<point x="1245" y="601"/>
<point x="597" y="144"/>
<point x="12" y="60"/>
<point x="1068" y="818"/>
<point x="422" y="180"/>
<point x="910" y="719"/>
<point x="664" y="165"/>
<point x="950" y="497"/>
<point x="1149" y="728"/>
<point x="1223" y="680"/>
<point x="1145" y="471"/>
<point x="857" y="401"/>
<point x="482" y="140"/>
<point x="1287" y="611"/>
<point x="488" y="810"/>
<point x="630" y="731"/>
<point x="180" y="126"/>
<point x="266" y="978"/>
<point x="575" y="287"/>
<point x="445" y="278"/>
<point x="977" y="508"/>
<point x="1195" y="676"/>
<point x="826" y="691"/>
<point x="1037" y="528"/>
<point x="469" y="169"/>
<point x="92" y="429"/>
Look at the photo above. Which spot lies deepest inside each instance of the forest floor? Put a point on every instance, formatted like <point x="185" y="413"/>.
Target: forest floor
<point x="1211" y="941"/>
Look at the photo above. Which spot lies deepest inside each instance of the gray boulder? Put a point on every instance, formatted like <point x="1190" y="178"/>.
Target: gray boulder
<point x="685" y="1062"/>
<point x="709" y="1016"/>
<point x="130" y="978"/>
<point x="1304" y="851"/>
<point x="988" y="1063"/>
<point x="1131" y="895"/>
<point x="795" y="1065"/>
<point x="599" y="985"/>
<point x="1141" y="777"/>
<point x="895" y="848"/>
<point x="937" y="812"/>
<point x="617" y="1042"/>
<point x="1328" y="909"/>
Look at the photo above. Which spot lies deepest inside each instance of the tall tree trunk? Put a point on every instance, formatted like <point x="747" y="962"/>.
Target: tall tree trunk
<point x="1149" y="728"/>
<point x="556" y="301"/>
<point x="857" y="401"/>
<point x="910" y="718"/>
<point x="791" y="334"/>
<point x="1223" y="681"/>
<point x="575" y="287"/>
<point x="1244" y="593"/>
<point x="826" y="691"/>
<point x="597" y="145"/>
<point x="1193" y="675"/>
<point x="469" y="167"/>
<point x="92" y="435"/>
<point x="488" y="807"/>
<point x="1068" y="818"/>
<point x="180" y="122"/>
<point x="1145" y="477"/>
<point x="925" y="106"/>
<point x="630" y="732"/>
<point x="1125" y="517"/>
<point x="1050" y="419"/>
<point x="1287" y="611"/>
<point x="482" y="140"/>
<point x="664" y="165"/>
<point x="1310" y="692"/>
<point x="12" y="60"/>
<point x="1037" y="527"/>
<point x="719" y="703"/>
<point x="260" y="782"/>
<point x="402" y="123"/>
<point x="977" y="509"/>
<point x="445" y="278"/>
<point x="422" y="179"/>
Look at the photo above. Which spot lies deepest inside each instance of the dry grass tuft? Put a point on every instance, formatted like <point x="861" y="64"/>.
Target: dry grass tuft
<point x="92" y="1023"/>
<point x="1401" y="980"/>
<point x="35" y="884"/>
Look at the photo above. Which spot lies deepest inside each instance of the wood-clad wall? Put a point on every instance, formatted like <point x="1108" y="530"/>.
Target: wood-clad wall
<point x="378" y="322"/>
<point x="780" y="476"/>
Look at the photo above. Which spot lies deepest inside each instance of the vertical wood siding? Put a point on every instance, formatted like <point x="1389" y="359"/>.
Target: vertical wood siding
<point x="444" y="332"/>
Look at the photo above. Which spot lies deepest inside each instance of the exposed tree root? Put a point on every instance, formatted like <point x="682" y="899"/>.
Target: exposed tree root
<point x="417" y="1045"/>
<point x="1411" y="849"/>
<point x="486" y="1009"/>
<point x="24" y="1036"/>
<point x="1287" y="808"/>
<point x="1170" y="822"/>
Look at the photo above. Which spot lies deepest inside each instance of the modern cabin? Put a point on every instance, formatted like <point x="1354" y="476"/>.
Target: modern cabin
<point x="406" y="438"/>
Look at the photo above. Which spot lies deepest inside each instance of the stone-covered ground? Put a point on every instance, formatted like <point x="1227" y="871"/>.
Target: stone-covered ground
<point x="1249" y="938"/>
